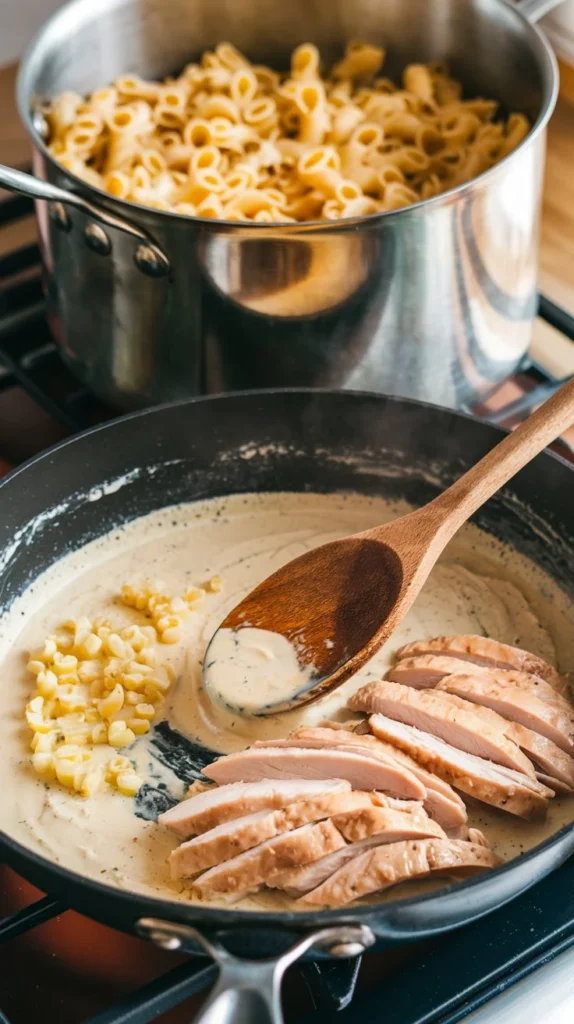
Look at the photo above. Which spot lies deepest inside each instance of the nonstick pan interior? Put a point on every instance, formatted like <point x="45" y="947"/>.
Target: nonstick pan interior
<point x="274" y="441"/>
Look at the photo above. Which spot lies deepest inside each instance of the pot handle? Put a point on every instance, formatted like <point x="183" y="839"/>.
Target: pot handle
<point x="148" y="256"/>
<point x="533" y="10"/>
<point x="249" y="991"/>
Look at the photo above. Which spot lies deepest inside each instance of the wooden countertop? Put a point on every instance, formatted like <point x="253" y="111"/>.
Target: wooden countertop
<point x="557" y="240"/>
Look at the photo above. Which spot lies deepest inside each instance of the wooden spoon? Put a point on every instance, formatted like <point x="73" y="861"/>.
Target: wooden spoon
<point x="338" y="603"/>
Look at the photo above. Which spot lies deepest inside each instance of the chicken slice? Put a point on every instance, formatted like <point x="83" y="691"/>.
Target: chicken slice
<point x="377" y="827"/>
<point x="555" y="763"/>
<point x="441" y="801"/>
<point x="492" y="784"/>
<point x="233" y="837"/>
<point x="426" y="670"/>
<point x="217" y="804"/>
<point x="516" y="705"/>
<point x="359" y="823"/>
<point x="384" y="866"/>
<point x="250" y="870"/>
<point x="460" y="723"/>
<point x="276" y="762"/>
<point x="484" y="651"/>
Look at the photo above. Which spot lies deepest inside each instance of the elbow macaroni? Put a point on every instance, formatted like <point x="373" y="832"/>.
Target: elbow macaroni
<point x="235" y="141"/>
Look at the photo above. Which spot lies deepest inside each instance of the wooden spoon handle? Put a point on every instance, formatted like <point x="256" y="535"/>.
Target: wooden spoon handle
<point x="452" y="508"/>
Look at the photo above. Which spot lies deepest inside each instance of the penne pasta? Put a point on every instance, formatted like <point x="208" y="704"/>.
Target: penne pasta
<point x="230" y="139"/>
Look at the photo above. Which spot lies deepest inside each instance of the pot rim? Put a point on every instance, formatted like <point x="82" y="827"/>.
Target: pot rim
<point x="73" y="11"/>
<point x="226" y="917"/>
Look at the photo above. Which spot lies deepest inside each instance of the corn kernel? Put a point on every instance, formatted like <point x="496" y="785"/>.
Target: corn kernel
<point x="119" y="735"/>
<point x="36" y="705"/>
<point x="113" y="703"/>
<point x="66" y="772"/>
<point x="115" y="645"/>
<point x="150" y="633"/>
<point x="89" y="670"/>
<point x="35" y="667"/>
<point x="64" y="663"/>
<point x="50" y="648"/>
<point x="147" y="657"/>
<point x="100" y="733"/>
<point x="44" y="764"/>
<point x="134" y="637"/>
<point x="139" y="726"/>
<point x="118" y="764"/>
<point x="36" y="723"/>
<point x="145" y="711"/>
<point x="64" y="642"/>
<point x="44" y="742"/>
<point x="168" y="622"/>
<point x="97" y="689"/>
<point x="193" y="594"/>
<point x="171" y="636"/>
<point x="129" y="783"/>
<point x="215" y="584"/>
<point x="91" y="782"/>
<point x="134" y="681"/>
<point x="178" y="606"/>
<point x="71" y="698"/>
<point x="153" y="694"/>
<point x="91" y="645"/>
<point x="139" y="668"/>
<point x="68" y="752"/>
<point x="77" y="734"/>
<point x="132" y="697"/>
<point x="47" y="682"/>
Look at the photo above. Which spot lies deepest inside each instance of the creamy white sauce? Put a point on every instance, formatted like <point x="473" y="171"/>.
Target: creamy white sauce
<point x="250" y="670"/>
<point x="478" y="587"/>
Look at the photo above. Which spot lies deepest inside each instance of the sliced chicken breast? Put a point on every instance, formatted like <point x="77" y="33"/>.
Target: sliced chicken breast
<point x="484" y="651"/>
<point x="384" y="866"/>
<point x="276" y="762"/>
<point x="426" y="670"/>
<point x="250" y="870"/>
<point x="234" y="837"/>
<point x="555" y="763"/>
<point x="516" y="705"/>
<point x="492" y="784"/>
<point x="460" y="723"/>
<point x="362" y="832"/>
<point x="356" y="824"/>
<point x="441" y="801"/>
<point x="217" y="804"/>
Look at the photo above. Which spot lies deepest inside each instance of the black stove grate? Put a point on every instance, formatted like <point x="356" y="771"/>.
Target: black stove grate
<point x="438" y="987"/>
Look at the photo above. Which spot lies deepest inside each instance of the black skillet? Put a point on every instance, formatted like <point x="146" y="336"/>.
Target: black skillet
<point x="271" y="441"/>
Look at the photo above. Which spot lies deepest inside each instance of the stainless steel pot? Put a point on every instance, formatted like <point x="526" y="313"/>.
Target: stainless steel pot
<point x="434" y="302"/>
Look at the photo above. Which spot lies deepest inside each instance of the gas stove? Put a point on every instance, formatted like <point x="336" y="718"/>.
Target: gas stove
<point x="513" y="967"/>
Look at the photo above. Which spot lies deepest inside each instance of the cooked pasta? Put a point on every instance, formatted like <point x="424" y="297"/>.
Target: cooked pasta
<point x="231" y="140"/>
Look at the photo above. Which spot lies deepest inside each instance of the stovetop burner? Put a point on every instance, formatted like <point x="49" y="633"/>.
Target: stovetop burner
<point x="58" y="964"/>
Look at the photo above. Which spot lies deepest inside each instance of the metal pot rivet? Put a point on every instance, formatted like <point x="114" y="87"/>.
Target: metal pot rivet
<point x="169" y="942"/>
<point x="97" y="240"/>
<point x="40" y="124"/>
<point x="61" y="217"/>
<point x="347" y="949"/>
<point x="150" y="261"/>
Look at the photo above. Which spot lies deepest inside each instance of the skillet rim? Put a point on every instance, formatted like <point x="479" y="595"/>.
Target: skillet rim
<point x="220" y="918"/>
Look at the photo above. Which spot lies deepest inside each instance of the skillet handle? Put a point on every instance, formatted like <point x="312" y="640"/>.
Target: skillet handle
<point x="249" y="991"/>
<point x="148" y="256"/>
<point x="533" y="10"/>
